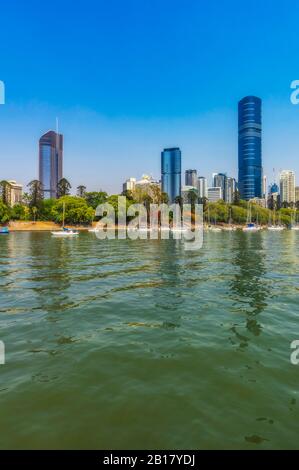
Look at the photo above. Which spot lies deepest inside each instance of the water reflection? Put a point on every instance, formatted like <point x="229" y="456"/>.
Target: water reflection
<point x="51" y="270"/>
<point x="249" y="287"/>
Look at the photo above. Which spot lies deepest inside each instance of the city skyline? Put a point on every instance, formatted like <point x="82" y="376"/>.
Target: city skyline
<point x="126" y="104"/>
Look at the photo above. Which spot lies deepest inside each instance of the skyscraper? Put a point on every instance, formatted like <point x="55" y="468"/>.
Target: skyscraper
<point x="231" y="188"/>
<point x="191" y="178"/>
<point x="202" y="186"/>
<point x="250" y="147"/>
<point x="220" y="181"/>
<point x="50" y="162"/>
<point x="171" y="172"/>
<point x="287" y="186"/>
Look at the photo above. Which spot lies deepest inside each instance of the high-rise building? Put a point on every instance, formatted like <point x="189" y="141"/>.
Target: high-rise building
<point x="191" y="178"/>
<point x="250" y="147"/>
<point x="287" y="186"/>
<point x="273" y="189"/>
<point x="231" y="187"/>
<point x="50" y="162"/>
<point x="297" y="194"/>
<point x="202" y="186"/>
<point x="14" y="193"/>
<point x="215" y="194"/>
<point x="171" y="172"/>
<point x="220" y="181"/>
<point x="129" y="185"/>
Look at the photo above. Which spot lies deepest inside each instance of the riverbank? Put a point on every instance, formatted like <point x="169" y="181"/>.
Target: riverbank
<point x="46" y="226"/>
<point x="39" y="226"/>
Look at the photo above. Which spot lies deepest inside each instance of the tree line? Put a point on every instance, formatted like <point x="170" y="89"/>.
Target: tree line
<point x="80" y="209"/>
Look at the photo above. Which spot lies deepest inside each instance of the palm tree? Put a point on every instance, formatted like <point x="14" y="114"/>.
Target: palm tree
<point x="81" y="190"/>
<point x="179" y="200"/>
<point x="63" y="188"/>
<point x="164" y="198"/>
<point x="147" y="201"/>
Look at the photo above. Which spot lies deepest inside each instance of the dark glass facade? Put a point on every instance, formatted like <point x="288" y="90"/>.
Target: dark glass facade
<point x="191" y="178"/>
<point x="50" y="162"/>
<point x="250" y="147"/>
<point x="171" y="173"/>
<point x="220" y="181"/>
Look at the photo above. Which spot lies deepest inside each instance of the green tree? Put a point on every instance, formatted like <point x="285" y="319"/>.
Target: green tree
<point x="236" y="198"/>
<point x="81" y="190"/>
<point x="4" y="187"/>
<point x="46" y="208"/>
<point x="164" y="198"/>
<point x="76" y="210"/>
<point x="128" y="194"/>
<point x="4" y="213"/>
<point x="94" y="199"/>
<point x="18" y="212"/>
<point x="179" y="200"/>
<point x="35" y="195"/>
<point x="63" y="188"/>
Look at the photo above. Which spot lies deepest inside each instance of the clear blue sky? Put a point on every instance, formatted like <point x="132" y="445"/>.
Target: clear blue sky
<point x="127" y="78"/>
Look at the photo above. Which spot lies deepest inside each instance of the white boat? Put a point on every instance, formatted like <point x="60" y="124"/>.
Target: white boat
<point x="178" y="229"/>
<point x="295" y="227"/>
<point x="215" y="229"/>
<point x="251" y="228"/>
<point x="65" y="232"/>
<point x="276" y="228"/>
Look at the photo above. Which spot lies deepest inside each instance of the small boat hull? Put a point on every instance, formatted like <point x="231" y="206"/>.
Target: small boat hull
<point x="65" y="234"/>
<point x="277" y="228"/>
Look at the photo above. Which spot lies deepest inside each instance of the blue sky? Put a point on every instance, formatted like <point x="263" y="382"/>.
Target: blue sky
<point x="127" y="78"/>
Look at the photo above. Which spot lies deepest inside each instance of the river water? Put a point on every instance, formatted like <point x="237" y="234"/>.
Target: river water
<point x="141" y="344"/>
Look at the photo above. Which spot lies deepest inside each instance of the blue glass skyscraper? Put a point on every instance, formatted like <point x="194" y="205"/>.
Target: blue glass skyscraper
<point x="171" y="173"/>
<point x="250" y="147"/>
<point x="50" y="162"/>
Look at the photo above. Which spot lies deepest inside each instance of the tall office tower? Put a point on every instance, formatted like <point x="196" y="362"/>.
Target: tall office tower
<point x="250" y="147"/>
<point x="231" y="187"/>
<point x="171" y="172"/>
<point x="202" y="186"/>
<point x="220" y="181"/>
<point x="50" y="162"/>
<point x="191" y="178"/>
<point x="287" y="186"/>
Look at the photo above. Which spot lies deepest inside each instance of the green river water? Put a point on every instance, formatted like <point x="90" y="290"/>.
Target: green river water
<point x="143" y="345"/>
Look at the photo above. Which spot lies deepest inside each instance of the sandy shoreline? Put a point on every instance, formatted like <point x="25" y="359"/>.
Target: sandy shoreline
<point x="30" y="226"/>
